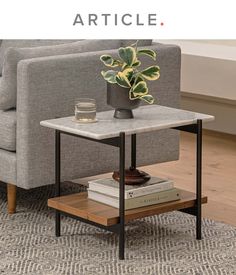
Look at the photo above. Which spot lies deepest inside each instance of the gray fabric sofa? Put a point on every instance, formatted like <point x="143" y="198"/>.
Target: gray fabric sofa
<point x="46" y="86"/>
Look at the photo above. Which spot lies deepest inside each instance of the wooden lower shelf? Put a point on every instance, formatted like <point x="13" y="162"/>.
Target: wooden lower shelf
<point x="79" y="205"/>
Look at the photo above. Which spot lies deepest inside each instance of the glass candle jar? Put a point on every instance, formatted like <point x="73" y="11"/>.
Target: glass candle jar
<point x="85" y="110"/>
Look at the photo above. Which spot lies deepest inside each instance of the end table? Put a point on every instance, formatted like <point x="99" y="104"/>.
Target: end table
<point x="147" y="119"/>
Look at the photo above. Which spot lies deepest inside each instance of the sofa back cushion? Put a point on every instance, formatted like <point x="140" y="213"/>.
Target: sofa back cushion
<point x="8" y="84"/>
<point x="141" y="43"/>
<point x="5" y="44"/>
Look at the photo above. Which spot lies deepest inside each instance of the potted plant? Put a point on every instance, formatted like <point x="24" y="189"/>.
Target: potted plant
<point x="126" y="83"/>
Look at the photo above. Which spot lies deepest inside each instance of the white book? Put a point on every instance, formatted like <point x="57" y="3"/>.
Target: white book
<point x="110" y="187"/>
<point x="150" y="199"/>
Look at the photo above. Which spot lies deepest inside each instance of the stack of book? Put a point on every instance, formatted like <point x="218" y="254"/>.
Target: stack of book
<point x="155" y="191"/>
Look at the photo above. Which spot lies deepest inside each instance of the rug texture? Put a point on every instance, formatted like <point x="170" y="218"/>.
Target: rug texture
<point x="163" y="244"/>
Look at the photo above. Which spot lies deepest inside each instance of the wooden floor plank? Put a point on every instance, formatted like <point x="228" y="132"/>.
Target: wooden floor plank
<point x="219" y="173"/>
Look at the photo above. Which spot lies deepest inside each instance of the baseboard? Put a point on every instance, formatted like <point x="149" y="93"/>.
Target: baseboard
<point x="225" y="136"/>
<point x="224" y="112"/>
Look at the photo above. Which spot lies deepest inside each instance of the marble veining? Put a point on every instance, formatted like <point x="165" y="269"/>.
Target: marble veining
<point x="146" y="119"/>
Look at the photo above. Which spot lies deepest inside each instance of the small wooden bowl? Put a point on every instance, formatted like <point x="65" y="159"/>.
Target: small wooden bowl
<point x="132" y="176"/>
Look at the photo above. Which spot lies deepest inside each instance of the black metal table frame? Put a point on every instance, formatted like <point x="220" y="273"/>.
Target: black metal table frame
<point x="119" y="142"/>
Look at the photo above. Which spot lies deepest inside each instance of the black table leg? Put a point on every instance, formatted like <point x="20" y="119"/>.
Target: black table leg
<point x="122" y="202"/>
<point x="199" y="180"/>
<point x="58" y="179"/>
<point x="133" y="151"/>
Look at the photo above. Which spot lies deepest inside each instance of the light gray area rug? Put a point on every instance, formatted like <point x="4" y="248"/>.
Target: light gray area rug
<point x="163" y="244"/>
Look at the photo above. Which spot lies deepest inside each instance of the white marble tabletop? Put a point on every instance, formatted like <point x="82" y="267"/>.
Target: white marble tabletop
<point x="146" y="119"/>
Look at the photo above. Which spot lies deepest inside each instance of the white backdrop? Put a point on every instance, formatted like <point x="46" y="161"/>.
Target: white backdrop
<point x="183" y="19"/>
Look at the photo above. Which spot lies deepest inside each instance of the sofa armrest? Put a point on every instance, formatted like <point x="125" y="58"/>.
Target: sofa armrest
<point x="47" y="88"/>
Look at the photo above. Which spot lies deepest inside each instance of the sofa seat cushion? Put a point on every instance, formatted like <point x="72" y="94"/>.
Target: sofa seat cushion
<point x="8" y="85"/>
<point x="8" y="130"/>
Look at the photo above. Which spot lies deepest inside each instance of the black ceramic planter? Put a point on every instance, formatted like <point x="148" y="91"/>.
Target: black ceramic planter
<point x="118" y="98"/>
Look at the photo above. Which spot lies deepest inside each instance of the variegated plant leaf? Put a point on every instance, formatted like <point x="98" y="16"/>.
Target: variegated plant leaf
<point x="140" y="89"/>
<point x="122" y="80"/>
<point x="109" y="61"/>
<point x="151" y="73"/>
<point x="106" y="59"/>
<point x="128" y="72"/>
<point x="124" y="66"/>
<point x="138" y="78"/>
<point x="116" y="63"/>
<point x="136" y="63"/>
<point x="147" y="52"/>
<point x="128" y="55"/>
<point x="109" y="76"/>
<point x="148" y="98"/>
<point x="131" y="95"/>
